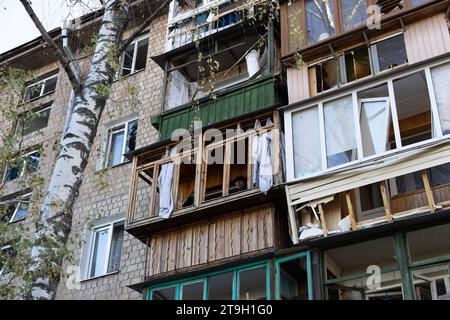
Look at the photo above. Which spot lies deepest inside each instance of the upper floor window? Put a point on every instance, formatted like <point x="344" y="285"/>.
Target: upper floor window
<point x="40" y="88"/>
<point x="33" y="121"/>
<point x="17" y="208"/>
<point x="121" y="139"/>
<point x="134" y="58"/>
<point x="105" y="249"/>
<point x="6" y="253"/>
<point x="357" y="63"/>
<point x="26" y="164"/>
<point x="319" y="20"/>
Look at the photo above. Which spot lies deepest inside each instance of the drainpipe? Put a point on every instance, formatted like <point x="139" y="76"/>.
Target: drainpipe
<point x="73" y="65"/>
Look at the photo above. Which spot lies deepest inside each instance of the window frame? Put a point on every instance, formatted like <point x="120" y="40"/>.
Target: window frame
<point x="104" y="226"/>
<point x="23" y="165"/>
<point x="42" y="83"/>
<point x="290" y="174"/>
<point x="123" y="126"/>
<point x="134" y="43"/>
<point x="39" y="110"/>
<point x="20" y="200"/>
<point x="205" y="278"/>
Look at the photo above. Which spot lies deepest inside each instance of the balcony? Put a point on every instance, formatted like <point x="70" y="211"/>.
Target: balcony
<point x="207" y="178"/>
<point x="253" y="96"/>
<point x="372" y="153"/>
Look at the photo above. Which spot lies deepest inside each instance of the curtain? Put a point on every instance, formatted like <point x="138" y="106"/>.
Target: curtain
<point x="339" y="131"/>
<point x="306" y="137"/>
<point x="441" y="84"/>
<point x="165" y="190"/>
<point x="178" y="91"/>
<point x="374" y="127"/>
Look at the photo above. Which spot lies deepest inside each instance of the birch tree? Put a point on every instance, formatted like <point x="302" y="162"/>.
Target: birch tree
<point x="90" y="97"/>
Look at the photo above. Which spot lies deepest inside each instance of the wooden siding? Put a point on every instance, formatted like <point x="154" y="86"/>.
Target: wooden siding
<point x="427" y="38"/>
<point x="225" y="237"/>
<point x="298" y="85"/>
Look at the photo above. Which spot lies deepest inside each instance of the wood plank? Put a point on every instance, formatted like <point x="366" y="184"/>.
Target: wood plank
<point x="245" y="225"/>
<point x="226" y="169"/>
<point x="351" y="212"/>
<point x="253" y="232"/>
<point x="212" y="241"/>
<point x="220" y="236"/>
<point x="386" y="201"/>
<point x="292" y="220"/>
<point x="323" y="221"/>
<point x="428" y="192"/>
<point x="172" y="256"/>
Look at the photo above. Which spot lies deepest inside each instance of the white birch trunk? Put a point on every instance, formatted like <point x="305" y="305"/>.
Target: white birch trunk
<point x="56" y="211"/>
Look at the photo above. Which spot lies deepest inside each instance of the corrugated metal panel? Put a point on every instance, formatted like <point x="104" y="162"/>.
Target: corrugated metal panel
<point x="298" y="85"/>
<point x="427" y="38"/>
<point x="247" y="99"/>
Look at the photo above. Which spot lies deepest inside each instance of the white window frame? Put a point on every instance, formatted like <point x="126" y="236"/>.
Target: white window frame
<point x="42" y="83"/>
<point x="123" y="126"/>
<point x="106" y="226"/>
<point x="19" y="202"/>
<point x="36" y="113"/>
<point x="24" y="165"/>
<point x="373" y="52"/>
<point x="393" y="108"/>
<point x="133" y="63"/>
<point x="2" y="270"/>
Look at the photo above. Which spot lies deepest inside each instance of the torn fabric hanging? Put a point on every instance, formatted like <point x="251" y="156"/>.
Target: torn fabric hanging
<point x="262" y="159"/>
<point x="165" y="180"/>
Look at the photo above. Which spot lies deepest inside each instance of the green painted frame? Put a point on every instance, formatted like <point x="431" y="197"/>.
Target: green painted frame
<point x="279" y="261"/>
<point x="205" y="278"/>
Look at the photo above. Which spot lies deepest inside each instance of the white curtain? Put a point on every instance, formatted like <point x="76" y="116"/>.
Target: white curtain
<point x="178" y="90"/>
<point x="339" y="131"/>
<point x="441" y="84"/>
<point x="165" y="190"/>
<point x="374" y="126"/>
<point x="262" y="159"/>
<point x="306" y="138"/>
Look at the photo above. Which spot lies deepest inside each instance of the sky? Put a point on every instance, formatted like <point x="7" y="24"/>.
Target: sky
<point x="16" y="27"/>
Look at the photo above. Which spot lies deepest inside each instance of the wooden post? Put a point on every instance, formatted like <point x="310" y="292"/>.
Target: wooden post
<point x="198" y="168"/>
<point x="154" y="191"/>
<point x="250" y="162"/>
<point x="351" y="212"/>
<point x="226" y="169"/>
<point x="401" y="254"/>
<point x="322" y="220"/>
<point x="133" y="190"/>
<point x="176" y="181"/>
<point x="276" y="150"/>
<point x="386" y="201"/>
<point x="428" y="192"/>
<point x="292" y="221"/>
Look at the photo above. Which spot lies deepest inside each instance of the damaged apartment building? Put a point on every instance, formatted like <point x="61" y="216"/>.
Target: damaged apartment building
<point x="292" y="149"/>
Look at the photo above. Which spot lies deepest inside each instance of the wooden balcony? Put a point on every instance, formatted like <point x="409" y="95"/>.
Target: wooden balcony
<point x="202" y="185"/>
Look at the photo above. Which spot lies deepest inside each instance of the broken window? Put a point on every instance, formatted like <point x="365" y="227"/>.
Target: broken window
<point x="346" y="269"/>
<point x="339" y="131"/>
<point x="323" y="75"/>
<point x="134" y="57"/>
<point x="26" y="164"/>
<point x="370" y="203"/>
<point x="413" y="108"/>
<point x="441" y="85"/>
<point x="292" y="278"/>
<point x="388" y="6"/>
<point x="353" y="13"/>
<point x="121" y="139"/>
<point x="354" y="65"/>
<point x="40" y="88"/>
<point x="320" y="17"/>
<point x="306" y="138"/>
<point x="375" y="120"/>
<point x="388" y="53"/>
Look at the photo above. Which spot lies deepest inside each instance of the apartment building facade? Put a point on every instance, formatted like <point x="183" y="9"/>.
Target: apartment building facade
<point x="245" y="173"/>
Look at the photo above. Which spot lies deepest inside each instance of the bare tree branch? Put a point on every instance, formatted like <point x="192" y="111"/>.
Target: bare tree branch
<point x="142" y="27"/>
<point x="63" y="59"/>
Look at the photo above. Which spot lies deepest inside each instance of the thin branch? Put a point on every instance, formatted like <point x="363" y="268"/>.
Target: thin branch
<point x="142" y="27"/>
<point x="63" y="59"/>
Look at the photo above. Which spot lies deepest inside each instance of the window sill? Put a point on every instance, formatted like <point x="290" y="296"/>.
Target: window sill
<point x="115" y="166"/>
<point x="37" y="98"/>
<point x="101" y="276"/>
<point x="128" y="76"/>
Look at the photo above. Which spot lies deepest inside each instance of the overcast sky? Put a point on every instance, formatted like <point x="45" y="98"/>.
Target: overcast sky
<point x="17" y="28"/>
